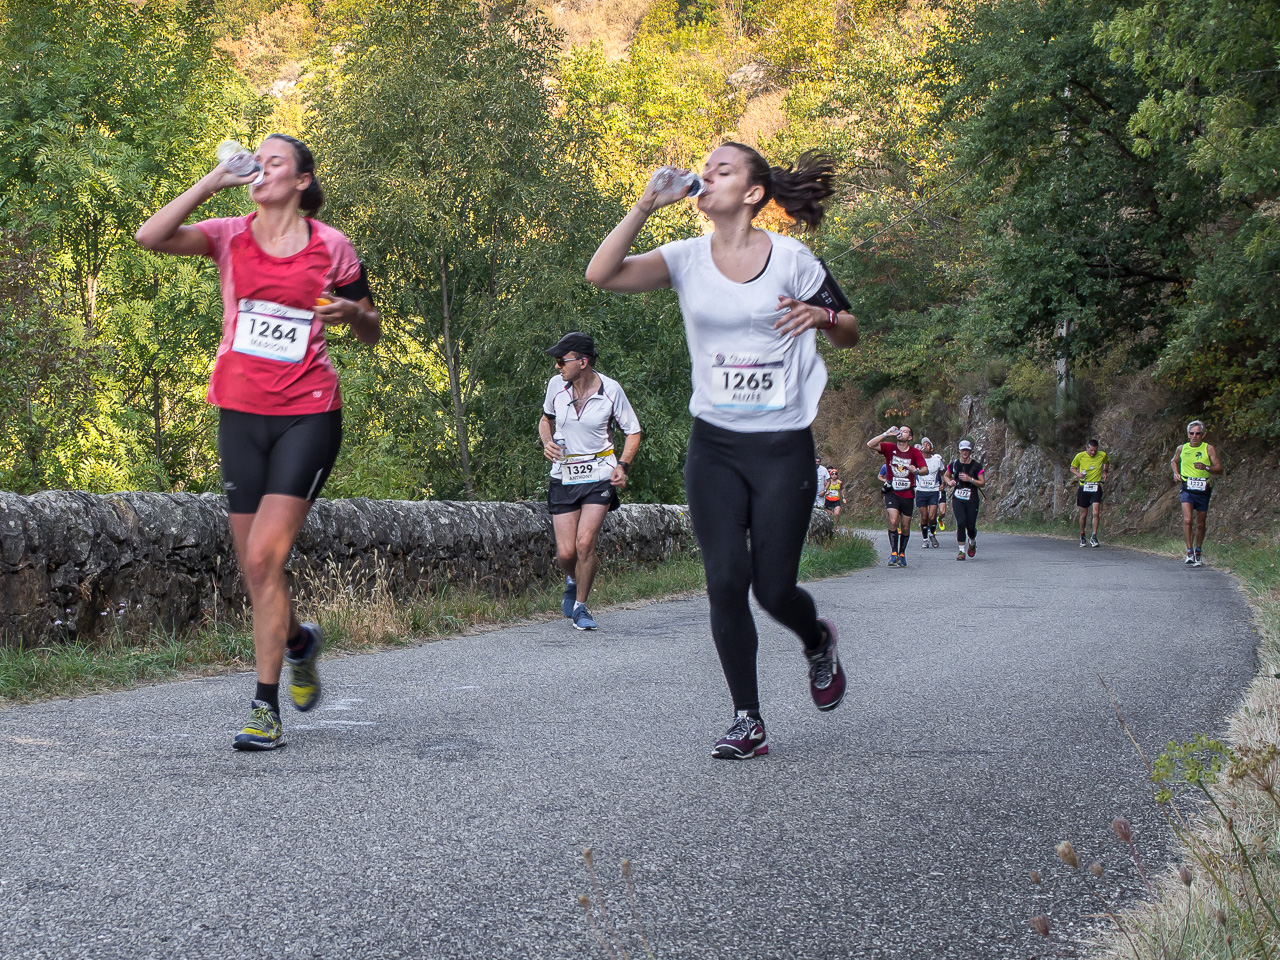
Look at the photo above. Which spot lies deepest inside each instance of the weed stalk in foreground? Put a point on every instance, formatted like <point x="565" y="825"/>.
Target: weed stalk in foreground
<point x="597" y="913"/>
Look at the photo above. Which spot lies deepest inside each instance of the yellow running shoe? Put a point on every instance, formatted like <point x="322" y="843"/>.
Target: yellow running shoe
<point x="263" y="732"/>
<point x="304" y="679"/>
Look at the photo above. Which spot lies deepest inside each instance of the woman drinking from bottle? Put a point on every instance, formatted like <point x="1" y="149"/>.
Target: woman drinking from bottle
<point x="752" y="301"/>
<point x="286" y="278"/>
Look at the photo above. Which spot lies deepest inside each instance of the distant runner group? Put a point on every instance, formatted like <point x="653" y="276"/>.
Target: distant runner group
<point x="753" y="303"/>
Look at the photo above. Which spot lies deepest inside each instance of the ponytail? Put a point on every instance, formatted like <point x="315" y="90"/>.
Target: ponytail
<point x="799" y="190"/>
<point x="312" y="198"/>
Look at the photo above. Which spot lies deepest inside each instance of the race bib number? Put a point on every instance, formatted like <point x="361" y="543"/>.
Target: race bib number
<point x="748" y="381"/>
<point x="272" y="331"/>
<point x="1089" y="487"/>
<point x="963" y="493"/>
<point x="585" y="468"/>
<point x="902" y="483"/>
<point x="1199" y="484"/>
<point x="926" y="484"/>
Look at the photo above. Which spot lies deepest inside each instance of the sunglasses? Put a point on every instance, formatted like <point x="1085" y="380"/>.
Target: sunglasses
<point x="561" y="361"/>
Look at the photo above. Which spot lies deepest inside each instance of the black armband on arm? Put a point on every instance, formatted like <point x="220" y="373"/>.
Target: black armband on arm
<point x="829" y="295"/>
<point x="357" y="289"/>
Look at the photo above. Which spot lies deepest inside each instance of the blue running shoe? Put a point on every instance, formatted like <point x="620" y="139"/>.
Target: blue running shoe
<point x="263" y="731"/>
<point x="582" y="620"/>
<point x="570" y="597"/>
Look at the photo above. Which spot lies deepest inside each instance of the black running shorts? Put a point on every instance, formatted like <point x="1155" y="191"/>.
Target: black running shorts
<point x="905" y="505"/>
<point x="1086" y="498"/>
<point x="290" y="455"/>
<point x="570" y="497"/>
<point x="830" y="505"/>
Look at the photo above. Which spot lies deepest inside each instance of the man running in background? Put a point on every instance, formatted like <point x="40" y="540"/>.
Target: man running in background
<point x="1193" y="463"/>
<point x="576" y="428"/>
<point x="824" y="475"/>
<point x="904" y="462"/>
<point x="929" y="492"/>
<point x="1089" y="469"/>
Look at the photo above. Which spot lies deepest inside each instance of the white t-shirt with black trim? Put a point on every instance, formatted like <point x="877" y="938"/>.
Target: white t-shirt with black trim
<point x="584" y="428"/>
<point x="747" y="376"/>
<point x="930" y="480"/>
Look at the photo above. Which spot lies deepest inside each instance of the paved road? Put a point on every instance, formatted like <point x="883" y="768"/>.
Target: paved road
<point x="437" y="804"/>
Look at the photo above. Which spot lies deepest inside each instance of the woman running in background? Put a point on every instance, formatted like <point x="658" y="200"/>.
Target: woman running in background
<point x="752" y="301"/>
<point x="286" y="277"/>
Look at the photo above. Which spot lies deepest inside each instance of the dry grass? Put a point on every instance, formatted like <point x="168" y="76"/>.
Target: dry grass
<point x="611" y="23"/>
<point x="764" y="117"/>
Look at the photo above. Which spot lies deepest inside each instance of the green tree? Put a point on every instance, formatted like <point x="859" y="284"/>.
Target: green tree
<point x="449" y="174"/>
<point x="1212" y="72"/>
<point x="107" y="109"/>
<point x="1084" y="238"/>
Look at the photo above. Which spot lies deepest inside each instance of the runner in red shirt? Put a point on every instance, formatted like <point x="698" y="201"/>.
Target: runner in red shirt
<point x="904" y="462"/>
<point x="285" y="278"/>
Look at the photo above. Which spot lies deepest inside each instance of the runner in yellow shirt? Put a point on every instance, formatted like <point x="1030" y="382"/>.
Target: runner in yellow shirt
<point x="1089" y="472"/>
<point x="1194" y="463"/>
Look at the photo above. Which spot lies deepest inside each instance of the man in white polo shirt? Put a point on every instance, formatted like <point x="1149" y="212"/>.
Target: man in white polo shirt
<point x="578" y="416"/>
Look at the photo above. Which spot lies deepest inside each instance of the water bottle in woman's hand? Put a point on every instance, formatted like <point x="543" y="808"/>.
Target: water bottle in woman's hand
<point x="672" y="180"/>
<point x="239" y="162"/>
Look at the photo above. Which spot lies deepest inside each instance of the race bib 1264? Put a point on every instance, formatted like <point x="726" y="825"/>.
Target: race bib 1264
<point x="748" y="381"/>
<point x="272" y="331"/>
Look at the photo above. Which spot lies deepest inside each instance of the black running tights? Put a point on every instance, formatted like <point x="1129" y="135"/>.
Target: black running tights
<point x="965" y="515"/>
<point x="750" y="499"/>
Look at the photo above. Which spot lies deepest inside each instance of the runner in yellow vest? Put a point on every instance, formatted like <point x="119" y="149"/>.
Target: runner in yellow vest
<point x="1194" y="464"/>
<point x="1089" y="471"/>
<point x="834" y="496"/>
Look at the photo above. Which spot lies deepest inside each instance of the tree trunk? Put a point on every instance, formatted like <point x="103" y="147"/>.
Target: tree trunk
<point x="452" y="364"/>
<point x="1060" y="405"/>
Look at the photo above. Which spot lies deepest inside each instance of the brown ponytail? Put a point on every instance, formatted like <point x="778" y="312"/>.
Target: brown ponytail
<point x="800" y="191"/>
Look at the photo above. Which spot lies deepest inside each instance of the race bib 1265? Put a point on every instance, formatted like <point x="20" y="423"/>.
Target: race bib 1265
<point x="272" y="331"/>
<point x="748" y="381"/>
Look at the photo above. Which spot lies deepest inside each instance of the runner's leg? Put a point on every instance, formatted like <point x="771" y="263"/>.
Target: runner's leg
<point x="1186" y="525"/>
<point x="779" y="523"/>
<point x="566" y="528"/>
<point x="263" y="541"/>
<point x="719" y="508"/>
<point x="588" y="535"/>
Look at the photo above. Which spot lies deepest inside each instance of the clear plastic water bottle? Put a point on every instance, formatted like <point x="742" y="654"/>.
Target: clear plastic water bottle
<point x="671" y="180"/>
<point x="239" y="162"/>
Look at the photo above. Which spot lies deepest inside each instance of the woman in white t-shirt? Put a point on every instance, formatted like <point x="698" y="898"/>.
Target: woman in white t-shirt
<point x="751" y="300"/>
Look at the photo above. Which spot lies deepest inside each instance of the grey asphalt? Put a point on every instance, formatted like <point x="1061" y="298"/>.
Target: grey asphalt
<point x="437" y="803"/>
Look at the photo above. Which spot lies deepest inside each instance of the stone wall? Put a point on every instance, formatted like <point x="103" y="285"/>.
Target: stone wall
<point x="73" y="565"/>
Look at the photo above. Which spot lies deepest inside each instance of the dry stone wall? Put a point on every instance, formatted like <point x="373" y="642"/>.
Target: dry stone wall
<point x="75" y="565"/>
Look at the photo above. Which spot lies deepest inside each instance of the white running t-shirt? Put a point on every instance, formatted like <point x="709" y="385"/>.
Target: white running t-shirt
<point x="927" y="482"/>
<point x="585" y="427"/>
<point x="746" y="376"/>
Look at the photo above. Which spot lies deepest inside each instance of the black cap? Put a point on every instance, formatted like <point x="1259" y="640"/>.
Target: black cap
<point x="576" y="342"/>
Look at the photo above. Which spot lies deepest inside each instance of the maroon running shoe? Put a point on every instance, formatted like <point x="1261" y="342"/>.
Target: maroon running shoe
<point x="826" y="679"/>
<point x="745" y="738"/>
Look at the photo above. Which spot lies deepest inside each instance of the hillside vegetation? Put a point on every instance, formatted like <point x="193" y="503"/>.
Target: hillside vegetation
<point x="1035" y="197"/>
